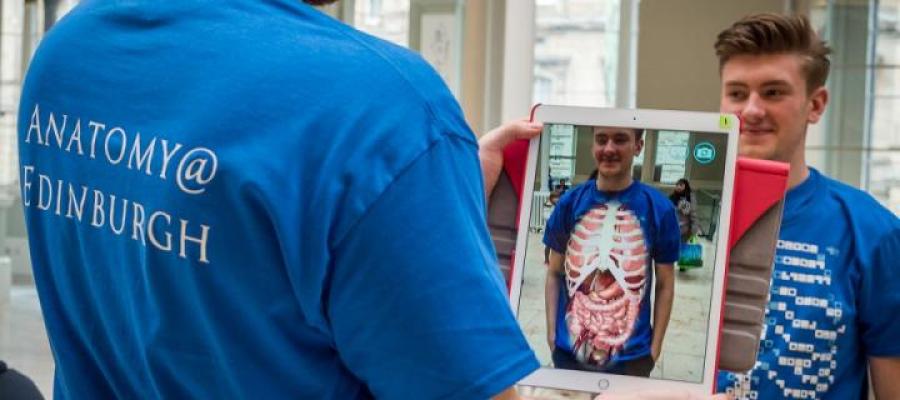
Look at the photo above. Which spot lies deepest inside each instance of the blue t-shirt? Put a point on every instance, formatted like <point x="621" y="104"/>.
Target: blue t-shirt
<point x="609" y="240"/>
<point x="834" y="300"/>
<point x="249" y="199"/>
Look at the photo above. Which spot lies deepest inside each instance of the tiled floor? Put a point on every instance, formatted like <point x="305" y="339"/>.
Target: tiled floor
<point x="684" y="346"/>
<point x="23" y="340"/>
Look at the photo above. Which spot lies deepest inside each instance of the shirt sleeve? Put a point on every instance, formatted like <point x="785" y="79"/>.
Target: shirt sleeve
<point x="416" y="303"/>
<point x="879" y="304"/>
<point x="556" y="231"/>
<point x="668" y="236"/>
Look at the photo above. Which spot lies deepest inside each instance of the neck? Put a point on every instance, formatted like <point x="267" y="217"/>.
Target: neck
<point x="798" y="170"/>
<point x="798" y="173"/>
<point x="613" y="184"/>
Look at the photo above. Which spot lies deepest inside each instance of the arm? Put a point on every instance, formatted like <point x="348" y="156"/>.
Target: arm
<point x="662" y="307"/>
<point x="551" y="294"/>
<point x="885" y="371"/>
<point x="383" y="277"/>
<point x="879" y="306"/>
<point x="668" y="243"/>
<point x="490" y="148"/>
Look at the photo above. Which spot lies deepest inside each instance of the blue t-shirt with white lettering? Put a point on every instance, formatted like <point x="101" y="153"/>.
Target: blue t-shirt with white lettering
<point x="249" y="199"/>
<point x="834" y="300"/>
<point x="610" y="241"/>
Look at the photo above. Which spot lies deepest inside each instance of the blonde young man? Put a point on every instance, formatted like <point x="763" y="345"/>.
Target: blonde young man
<point x="835" y="292"/>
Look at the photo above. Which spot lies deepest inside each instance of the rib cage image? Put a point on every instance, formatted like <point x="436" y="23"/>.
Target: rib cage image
<point x="605" y="268"/>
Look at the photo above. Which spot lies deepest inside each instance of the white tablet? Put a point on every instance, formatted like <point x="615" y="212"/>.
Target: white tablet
<point x="605" y="237"/>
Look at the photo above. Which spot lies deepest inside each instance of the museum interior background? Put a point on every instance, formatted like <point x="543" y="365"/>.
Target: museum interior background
<point x="501" y="56"/>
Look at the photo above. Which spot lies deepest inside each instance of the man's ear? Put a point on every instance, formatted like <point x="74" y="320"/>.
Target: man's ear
<point x="818" y="99"/>
<point x="638" y="145"/>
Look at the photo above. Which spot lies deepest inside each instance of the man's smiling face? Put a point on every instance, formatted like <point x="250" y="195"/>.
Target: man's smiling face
<point x="768" y="92"/>
<point x="614" y="150"/>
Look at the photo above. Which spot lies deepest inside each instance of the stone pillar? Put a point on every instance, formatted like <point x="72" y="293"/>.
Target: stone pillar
<point x="518" y="59"/>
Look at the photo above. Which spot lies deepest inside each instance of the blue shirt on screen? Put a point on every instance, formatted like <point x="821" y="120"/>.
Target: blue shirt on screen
<point x="249" y="199"/>
<point x="661" y="241"/>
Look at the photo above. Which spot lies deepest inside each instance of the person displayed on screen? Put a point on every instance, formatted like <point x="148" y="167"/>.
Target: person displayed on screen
<point x="612" y="240"/>
<point x="835" y="293"/>
<point x="686" y="204"/>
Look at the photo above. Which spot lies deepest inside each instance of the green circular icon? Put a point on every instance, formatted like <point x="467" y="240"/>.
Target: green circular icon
<point x="704" y="152"/>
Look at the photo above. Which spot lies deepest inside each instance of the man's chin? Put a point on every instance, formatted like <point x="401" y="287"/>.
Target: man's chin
<point x="756" y="151"/>
<point x="610" y="173"/>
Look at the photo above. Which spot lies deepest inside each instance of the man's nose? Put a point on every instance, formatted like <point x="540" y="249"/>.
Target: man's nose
<point x="754" y="108"/>
<point x="608" y="146"/>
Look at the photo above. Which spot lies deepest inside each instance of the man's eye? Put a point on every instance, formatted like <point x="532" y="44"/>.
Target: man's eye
<point x="735" y="95"/>
<point x="774" y="93"/>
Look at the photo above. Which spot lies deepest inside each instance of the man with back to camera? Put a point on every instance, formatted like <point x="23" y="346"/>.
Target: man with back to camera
<point x="186" y="244"/>
<point x="608" y="238"/>
<point x="836" y="282"/>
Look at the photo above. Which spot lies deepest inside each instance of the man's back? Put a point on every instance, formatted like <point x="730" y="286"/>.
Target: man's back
<point x="213" y="193"/>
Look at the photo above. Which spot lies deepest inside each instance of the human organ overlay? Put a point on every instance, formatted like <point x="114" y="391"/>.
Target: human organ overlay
<point x="606" y="274"/>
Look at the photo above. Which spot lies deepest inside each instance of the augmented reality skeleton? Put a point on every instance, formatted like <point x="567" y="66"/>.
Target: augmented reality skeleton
<point x="606" y="273"/>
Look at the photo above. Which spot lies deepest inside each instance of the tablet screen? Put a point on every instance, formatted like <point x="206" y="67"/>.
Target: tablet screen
<point x="624" y="229"/>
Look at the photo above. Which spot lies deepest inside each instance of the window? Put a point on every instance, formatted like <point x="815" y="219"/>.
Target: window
<point x="576" y="52"/>
<point x="671" y="155"/>
<point x="884" y="147"/>
<point x="859" y="141"/>
<point x="386" y="19"/>
<point x="562" y="155"/>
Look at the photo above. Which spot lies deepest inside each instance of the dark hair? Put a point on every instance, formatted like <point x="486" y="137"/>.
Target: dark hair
<point x="686" y="194"/>
<point x="768" y="33"/>
<point x="318" y="2"/>
<point x="638" y="132"/>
